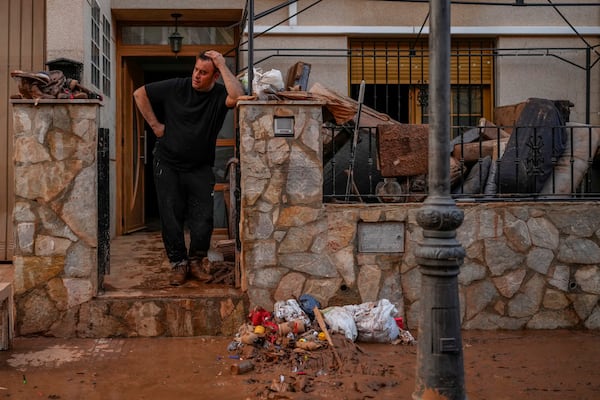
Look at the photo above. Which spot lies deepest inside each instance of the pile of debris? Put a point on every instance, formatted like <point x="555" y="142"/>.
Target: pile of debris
<point x="49" y="85"/>
<point x="220" y="264"/>
<point x="299" y="343"/>
<point x="531" y="147"/>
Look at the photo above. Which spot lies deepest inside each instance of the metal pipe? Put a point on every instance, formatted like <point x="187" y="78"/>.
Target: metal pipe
<point x="440" y="371"/>
<point x="588" y="80"/>
<point x="250" y="46"/>
<point x="439" y="105"/>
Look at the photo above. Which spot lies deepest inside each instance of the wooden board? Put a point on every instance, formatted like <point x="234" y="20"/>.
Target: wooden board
<point x="402" y="149"/>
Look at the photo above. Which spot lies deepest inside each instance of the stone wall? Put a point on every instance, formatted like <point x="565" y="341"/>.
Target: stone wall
<point x="528" y="265"/>
<point x="55" y="214"/>
<point x="283" y="227"/>
<point x="56" y="227"/>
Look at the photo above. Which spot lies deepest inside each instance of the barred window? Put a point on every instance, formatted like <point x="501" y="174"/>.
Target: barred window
<point x="396" y="73"/>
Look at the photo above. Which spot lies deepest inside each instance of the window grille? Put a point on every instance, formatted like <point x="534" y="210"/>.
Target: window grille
<point x="95" y="45"/>
<point x="106" y="56"/>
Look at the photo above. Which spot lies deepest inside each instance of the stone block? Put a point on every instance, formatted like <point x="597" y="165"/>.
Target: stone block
<point x="6" y="316"/>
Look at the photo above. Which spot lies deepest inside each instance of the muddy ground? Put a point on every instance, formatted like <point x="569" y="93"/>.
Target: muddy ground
<point x="528" y="365"/>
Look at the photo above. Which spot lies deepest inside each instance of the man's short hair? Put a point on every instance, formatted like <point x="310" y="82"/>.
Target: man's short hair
<point x="203" y="56"/>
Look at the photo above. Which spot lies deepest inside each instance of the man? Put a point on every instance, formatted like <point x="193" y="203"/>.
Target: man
<point x="186" y="115"/>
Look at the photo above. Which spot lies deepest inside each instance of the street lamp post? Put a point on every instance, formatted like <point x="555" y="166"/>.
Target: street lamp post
<point x="440" y="371"/>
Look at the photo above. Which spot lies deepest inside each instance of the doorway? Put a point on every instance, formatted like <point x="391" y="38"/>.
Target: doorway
<point x="137" y="257"/>
<point x="137" y="205"/>
<point x="156" y="69"/>
<point x="143" y="56"/>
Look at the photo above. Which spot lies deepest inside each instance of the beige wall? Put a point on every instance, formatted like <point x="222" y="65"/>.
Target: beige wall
<point x="378" y="13"/>
<point x="66" y="39"/>
<point x="394" y="14"/>
<point x="523" y="76"/>
<point x="178" y="4"/>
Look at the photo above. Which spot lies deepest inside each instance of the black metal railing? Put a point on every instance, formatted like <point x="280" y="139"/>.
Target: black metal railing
<point x="488" y="163"/>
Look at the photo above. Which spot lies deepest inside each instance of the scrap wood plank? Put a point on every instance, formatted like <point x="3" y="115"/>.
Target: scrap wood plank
<point x="403" y="149"/>
<point x="297" y="77"/>
<point x="474" y="151"/>
<point x="506" y="116"/>
<point x="323" y="327"/>
<point x="343" y="108"/>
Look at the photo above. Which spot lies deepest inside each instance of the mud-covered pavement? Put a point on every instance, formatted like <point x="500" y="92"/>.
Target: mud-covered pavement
<point x="498" y="365"/>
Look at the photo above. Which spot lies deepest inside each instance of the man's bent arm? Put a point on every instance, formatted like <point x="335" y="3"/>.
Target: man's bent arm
<point x="232" y="84"/>
<point x="143" y="104"/>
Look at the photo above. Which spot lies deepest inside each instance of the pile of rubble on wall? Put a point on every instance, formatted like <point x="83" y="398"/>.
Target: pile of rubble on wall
<point x="49" y="85"/>
<point x="298" y="343"/>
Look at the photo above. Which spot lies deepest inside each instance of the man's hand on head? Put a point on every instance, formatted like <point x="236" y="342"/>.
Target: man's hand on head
<point x="217" y="58"/>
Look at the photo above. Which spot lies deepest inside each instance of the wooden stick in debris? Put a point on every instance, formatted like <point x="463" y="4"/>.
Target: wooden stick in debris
<point x="323" y="327"/>
<point x="350" y="179"/>
<point x="354" y="187"/>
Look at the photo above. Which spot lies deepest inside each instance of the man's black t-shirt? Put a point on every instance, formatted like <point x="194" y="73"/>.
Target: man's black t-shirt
<point x="192" y="121"/>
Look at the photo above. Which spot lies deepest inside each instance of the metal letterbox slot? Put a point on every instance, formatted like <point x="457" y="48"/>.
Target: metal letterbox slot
<point x="283" y="126"/>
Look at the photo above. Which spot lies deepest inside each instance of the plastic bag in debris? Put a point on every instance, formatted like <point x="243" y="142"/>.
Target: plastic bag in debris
<point x="263" y="83"/>
<point x="375" y="321"/>
<point x="290" y="310"/>
<point x="268" y="82"/>
<point x="340" y="320"/>
<point x="308" y="304"/>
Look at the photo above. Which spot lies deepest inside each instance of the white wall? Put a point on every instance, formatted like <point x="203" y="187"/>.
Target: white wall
<point x="546" y="76"/>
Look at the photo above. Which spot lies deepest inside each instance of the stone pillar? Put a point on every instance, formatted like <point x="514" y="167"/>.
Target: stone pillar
<point x="55" y="214"/>
<point x="282" y="222"/>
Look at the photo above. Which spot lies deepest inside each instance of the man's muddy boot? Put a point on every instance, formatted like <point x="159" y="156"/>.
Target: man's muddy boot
<point x="179" y="273"/>
<point x="198" y="270"/>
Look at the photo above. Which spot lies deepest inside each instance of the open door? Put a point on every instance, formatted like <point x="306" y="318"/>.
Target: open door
<point x="133" y="151"/>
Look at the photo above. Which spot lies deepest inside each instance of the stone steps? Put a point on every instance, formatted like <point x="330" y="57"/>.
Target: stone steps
<point x="169" y="312"/>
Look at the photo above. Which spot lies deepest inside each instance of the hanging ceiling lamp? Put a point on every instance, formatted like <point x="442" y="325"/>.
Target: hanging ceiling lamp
<point x="175" y="39"/>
